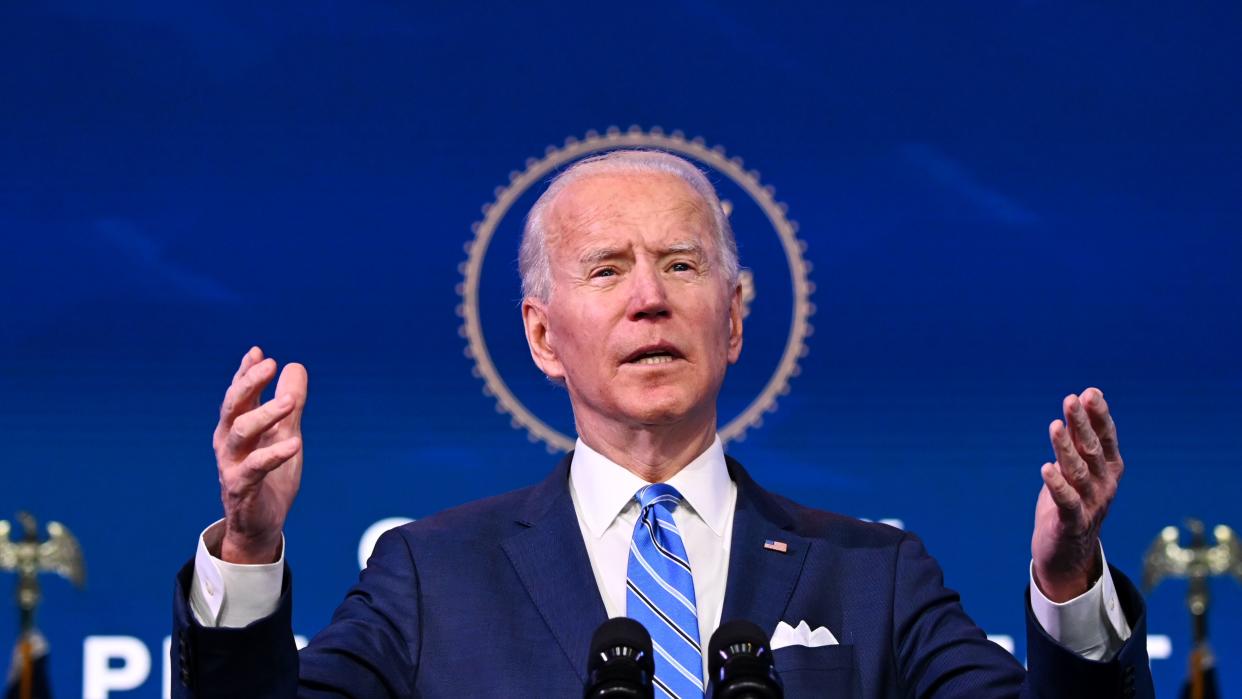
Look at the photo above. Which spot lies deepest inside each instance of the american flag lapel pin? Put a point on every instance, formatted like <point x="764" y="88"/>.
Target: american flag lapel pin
<point x="777" y="546"/>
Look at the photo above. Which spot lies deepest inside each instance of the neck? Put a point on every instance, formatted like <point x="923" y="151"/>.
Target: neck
<point x="653" y="453"/>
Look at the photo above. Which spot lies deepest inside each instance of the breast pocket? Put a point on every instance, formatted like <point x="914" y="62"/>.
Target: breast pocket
<point x="826" y="671"/>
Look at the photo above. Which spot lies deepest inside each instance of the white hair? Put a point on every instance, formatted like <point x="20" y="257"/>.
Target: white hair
<point x="535" y="264"/>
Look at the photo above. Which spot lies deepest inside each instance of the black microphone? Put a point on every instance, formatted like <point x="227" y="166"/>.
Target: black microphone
<point x="620" y="664"/>
<point x="740" y="663"/>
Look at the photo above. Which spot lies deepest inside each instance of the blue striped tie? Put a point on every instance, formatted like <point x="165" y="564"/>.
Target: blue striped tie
<point x="659" y="593"/>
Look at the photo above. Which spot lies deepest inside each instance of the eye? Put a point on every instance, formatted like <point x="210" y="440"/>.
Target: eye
<point x="604" y="272"/>
<point x="681" y="267"/>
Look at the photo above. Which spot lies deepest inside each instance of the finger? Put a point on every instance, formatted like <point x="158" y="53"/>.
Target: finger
<point x="1071" y="465"/>
<point x="1084" y="437"/>
<point x="250" y="426"/>
<point x="263" y="461"/>
<point x="1102" y="422"/>
<point x="253" y="356"/>
<point x="244" y="394"/>
<point x="1067" y="499"/>
<point x="293" y="385"/>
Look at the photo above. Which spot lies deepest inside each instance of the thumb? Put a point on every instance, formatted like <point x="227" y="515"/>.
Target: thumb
<point x="293" y="383"/>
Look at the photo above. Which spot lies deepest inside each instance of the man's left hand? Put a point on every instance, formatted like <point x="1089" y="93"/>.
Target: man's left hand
<point x="1077" y="491"/>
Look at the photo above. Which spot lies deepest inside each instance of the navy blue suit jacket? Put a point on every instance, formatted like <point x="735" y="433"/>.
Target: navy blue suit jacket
<point x="497" y="598"/>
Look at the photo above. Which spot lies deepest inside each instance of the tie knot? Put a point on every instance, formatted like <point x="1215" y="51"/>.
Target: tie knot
<point x="661" y="494"/>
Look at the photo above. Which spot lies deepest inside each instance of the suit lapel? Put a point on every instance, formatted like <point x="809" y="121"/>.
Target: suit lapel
<point x="761" y="581"/>
<point x="551" y="561"/>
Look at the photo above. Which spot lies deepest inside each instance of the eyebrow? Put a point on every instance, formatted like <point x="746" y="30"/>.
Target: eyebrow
<point x="595" y="255"/>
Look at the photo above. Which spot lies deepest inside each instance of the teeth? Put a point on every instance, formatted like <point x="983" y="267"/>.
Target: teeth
<point x="656" y="359"/>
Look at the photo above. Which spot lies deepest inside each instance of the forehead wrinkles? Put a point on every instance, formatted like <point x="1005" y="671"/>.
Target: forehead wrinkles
<point x="566" y="220"/>
<point x="572" y="212"/>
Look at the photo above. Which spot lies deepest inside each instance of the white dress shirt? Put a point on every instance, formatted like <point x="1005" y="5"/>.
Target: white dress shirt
<point x="603" y="495"/>
<point x="234" y="595"/>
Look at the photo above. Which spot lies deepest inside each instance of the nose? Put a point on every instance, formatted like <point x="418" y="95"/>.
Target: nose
<point x="648" y="297"/>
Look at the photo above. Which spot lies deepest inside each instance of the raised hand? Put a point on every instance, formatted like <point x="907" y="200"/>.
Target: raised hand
<point x="1078" y="489"/>
<point x="259" y="457"/>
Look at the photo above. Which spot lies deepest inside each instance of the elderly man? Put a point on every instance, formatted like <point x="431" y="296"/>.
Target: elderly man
<point x="632" y="302"/>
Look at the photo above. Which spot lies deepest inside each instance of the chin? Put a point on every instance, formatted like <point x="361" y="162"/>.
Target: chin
<point x="660" y="406"/>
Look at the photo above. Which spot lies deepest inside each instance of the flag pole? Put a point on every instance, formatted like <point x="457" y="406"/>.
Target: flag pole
<point x="26" y="684"/>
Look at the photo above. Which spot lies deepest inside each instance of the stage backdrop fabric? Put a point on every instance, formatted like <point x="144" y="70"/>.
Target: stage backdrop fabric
<point x="975" y="208"/>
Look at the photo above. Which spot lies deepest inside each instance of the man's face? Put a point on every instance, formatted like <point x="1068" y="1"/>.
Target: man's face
<point x="642" y="322"/>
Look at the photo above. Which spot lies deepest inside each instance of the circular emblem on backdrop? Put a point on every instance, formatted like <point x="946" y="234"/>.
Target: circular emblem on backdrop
<point x="784" y="293"/>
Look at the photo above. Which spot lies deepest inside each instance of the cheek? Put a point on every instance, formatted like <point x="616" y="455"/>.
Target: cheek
<point x="580" y="346"/>
<point x="585" y="326"/>
<point x="721" y="323"/>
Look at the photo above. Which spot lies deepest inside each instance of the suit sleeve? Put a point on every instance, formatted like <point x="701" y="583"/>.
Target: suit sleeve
<point x="1056" y="671"/>
<point x="369" y="650"/>
<point x="941" y="653"/>
<point x="939" y="650"/>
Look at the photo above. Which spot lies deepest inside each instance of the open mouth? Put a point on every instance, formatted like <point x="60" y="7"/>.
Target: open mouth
<point x="654" y="359"/>
<point x="653" y="355"/>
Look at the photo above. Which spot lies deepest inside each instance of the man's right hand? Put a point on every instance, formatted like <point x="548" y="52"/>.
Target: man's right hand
<point x="259" y="457"/>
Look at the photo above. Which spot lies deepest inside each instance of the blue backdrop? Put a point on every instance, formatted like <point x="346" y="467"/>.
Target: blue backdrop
<point x="1001" y="203"/>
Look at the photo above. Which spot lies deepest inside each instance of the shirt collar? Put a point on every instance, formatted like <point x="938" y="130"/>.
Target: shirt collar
<point x="603" y="489"/>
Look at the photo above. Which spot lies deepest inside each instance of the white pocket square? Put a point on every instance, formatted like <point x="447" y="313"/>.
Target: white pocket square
<point x="801" y="635"/>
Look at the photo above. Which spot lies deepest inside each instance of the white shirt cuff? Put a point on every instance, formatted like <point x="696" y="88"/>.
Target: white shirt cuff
<point x="1091" y="625"/>
<point x="233" y="595"/>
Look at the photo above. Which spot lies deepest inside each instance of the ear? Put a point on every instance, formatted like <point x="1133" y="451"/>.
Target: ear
<point x="538" y="338"/>
<point x="735" y="324"/>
